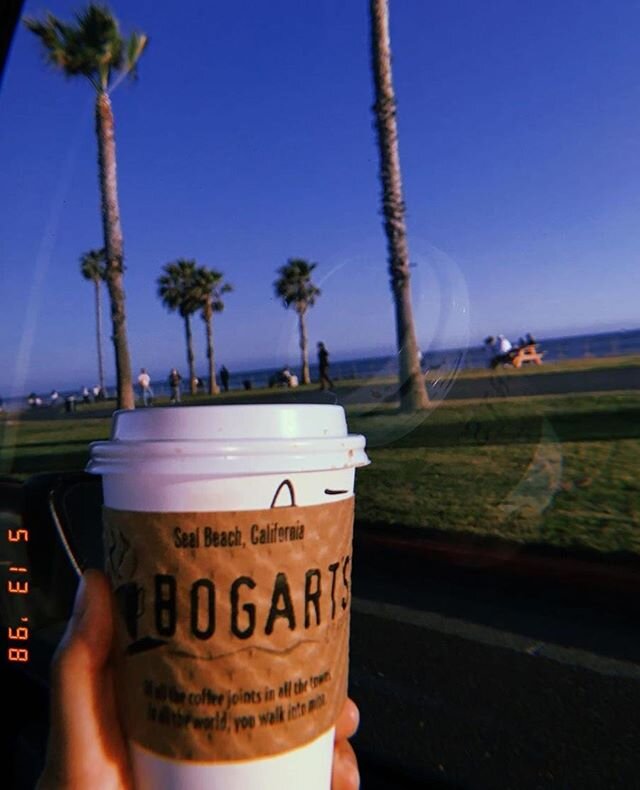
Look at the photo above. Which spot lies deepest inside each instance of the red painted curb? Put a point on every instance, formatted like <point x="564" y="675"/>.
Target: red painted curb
<point x="615" y="579"/>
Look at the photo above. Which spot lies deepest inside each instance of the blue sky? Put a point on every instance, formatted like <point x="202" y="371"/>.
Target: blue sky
<point x="248" y="139"/>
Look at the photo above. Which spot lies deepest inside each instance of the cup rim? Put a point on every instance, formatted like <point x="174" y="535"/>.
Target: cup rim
<point x="234" y="440"/>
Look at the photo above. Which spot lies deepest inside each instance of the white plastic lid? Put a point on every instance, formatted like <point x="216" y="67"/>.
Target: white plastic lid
<point x="228" y="441"/>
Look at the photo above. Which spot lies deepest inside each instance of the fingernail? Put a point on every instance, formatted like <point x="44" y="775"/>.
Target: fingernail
<point x="355" y="718"/>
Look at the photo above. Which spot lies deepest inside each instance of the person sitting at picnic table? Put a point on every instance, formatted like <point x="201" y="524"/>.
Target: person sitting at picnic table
<point x="489" y="347"/>
<point x="504" y="345"/>
<point x="503" y="351"/>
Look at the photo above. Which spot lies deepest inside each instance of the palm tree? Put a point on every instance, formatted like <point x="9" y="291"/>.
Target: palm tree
<point x="294" y="288"/>
<point x="413" y="391"/>
<point x="178" y="289"/>
<point x="93" y="267"/>
<point x="94" y="48"/>
<point x="209" y="292"/>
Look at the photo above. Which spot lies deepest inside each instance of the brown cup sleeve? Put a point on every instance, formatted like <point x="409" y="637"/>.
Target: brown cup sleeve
<point x="232" y="628"/>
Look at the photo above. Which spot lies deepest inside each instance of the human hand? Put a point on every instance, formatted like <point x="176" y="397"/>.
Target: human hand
<point x="87" y="747"/>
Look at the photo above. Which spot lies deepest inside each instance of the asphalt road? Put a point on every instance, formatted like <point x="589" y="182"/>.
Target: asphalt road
<point x="503" y="383"/>
<point x="464" y="682"/>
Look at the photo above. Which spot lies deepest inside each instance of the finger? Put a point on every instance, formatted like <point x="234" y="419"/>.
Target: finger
<point x="348" y="720"/>
<point x="90" y="628"/>
<point x="345" y="774"/>
<point x="85" y="734"/>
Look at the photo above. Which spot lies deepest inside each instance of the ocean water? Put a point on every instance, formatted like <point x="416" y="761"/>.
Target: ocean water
<point x="448" y="361"/>
<point x="556" y="349"/>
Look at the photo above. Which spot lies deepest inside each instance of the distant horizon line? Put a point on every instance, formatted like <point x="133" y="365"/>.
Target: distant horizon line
<point x="389" y="351"/>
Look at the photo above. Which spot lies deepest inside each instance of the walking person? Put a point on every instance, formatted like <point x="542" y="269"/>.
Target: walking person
<point x="323" y="364"/>
<point x="144" y="380"/>
<point x="224" y="378"/>
<point x="174" y="383"/>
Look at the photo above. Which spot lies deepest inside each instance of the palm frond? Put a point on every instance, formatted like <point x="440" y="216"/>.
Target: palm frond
<point x="210" y="289"/>
<point x="177" y="287"/>
<point x="294" y="286"/>
<point x="93" y="265"/>
<point x="93" y="47"/>
<point x="135" y="47"/>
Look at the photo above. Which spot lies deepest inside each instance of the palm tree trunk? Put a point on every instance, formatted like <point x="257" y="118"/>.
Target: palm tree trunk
<point x="213" y="384"/>
<point x="190" y="357"/>
<point x="98" y="285"/>
<point x="413" y="391"/>
<point x="114" y="247"/>
<point x="304" y="351"/>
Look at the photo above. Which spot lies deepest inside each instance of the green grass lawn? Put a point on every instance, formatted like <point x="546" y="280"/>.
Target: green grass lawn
<point x="562" y="469"/>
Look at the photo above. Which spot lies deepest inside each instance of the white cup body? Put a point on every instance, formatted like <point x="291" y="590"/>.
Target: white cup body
<point x="204" y="459"/>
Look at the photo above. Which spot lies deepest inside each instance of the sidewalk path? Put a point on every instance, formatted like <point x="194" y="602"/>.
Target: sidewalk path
<point x="550" y="383"/>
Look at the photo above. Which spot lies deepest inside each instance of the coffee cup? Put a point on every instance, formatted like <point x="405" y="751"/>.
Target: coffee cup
<point x="228" y="534"/>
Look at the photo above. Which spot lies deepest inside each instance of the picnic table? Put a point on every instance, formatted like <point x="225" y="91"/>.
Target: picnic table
<point x="528" y="353"/>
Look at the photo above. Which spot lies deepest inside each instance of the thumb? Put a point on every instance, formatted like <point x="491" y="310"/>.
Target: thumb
<point x="85" y="732"/>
